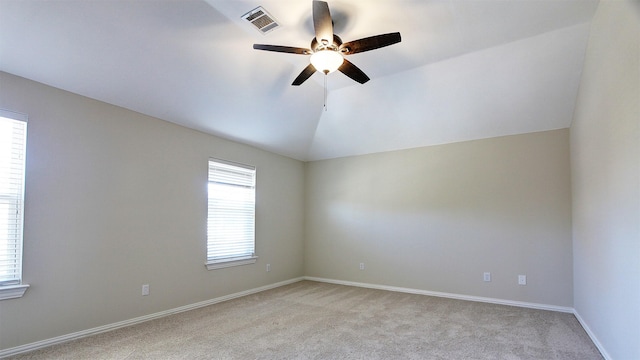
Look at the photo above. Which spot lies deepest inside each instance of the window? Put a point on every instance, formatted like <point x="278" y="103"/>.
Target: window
<point x="13" y="131"/>
<point x="231" y="215"/>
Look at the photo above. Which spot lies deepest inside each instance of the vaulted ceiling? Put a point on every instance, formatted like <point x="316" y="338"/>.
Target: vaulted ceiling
<point x="465" y="69"/>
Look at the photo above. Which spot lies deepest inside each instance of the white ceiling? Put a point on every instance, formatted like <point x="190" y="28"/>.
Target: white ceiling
<point x="465" y="69"/>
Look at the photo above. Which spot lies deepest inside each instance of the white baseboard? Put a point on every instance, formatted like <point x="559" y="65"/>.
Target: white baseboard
<point x="529" y="305"/>
<point x="563" y="309"/>
<point x="101" y="329"/>
<point x="593" y="337"/>
<point x="447" y="295"/>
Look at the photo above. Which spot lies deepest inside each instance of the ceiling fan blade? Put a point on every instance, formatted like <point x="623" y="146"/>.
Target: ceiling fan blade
<point x="304" y="75"/>
<point x="282" y="49"/>
<point x="353" y="72"/>
<point x="370" y="43"/>
<point x="322" y="23"/>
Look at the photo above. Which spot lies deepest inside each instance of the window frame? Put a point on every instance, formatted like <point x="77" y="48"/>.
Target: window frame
<point x="15" y="288"/>
<point x="241" y="258"/>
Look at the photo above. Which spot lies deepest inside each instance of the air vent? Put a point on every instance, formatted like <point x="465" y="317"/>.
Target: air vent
<point x="261" y="20"/>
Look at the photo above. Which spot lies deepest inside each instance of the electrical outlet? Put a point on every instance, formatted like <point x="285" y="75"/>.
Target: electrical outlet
<point x="145" y="289"/>
<point x="522" y="279"/>
<point x="268" y="267"/>
<point x="361" y="266"/>
<point x="487" y="276"/>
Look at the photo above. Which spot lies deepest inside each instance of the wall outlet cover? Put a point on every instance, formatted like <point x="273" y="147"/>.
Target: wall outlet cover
<point x="522" y="279"/>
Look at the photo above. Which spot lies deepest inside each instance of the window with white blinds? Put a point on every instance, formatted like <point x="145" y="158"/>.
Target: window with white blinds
<point x="231" y="214"/>
<point x="13" y="131"/>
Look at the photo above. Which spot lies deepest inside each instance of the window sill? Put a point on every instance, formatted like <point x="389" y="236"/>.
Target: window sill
<point x="229" y="263"/>
<point x="12" y="291"/>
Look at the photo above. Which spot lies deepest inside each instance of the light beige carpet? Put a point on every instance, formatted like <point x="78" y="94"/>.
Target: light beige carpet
<point x="310" y="320"/>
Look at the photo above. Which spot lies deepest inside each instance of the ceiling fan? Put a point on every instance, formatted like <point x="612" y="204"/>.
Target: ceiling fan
<point x="327" y="49"/>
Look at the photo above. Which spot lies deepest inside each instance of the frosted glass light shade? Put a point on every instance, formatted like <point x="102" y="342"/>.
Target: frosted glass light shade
<point x="326" y="61"/>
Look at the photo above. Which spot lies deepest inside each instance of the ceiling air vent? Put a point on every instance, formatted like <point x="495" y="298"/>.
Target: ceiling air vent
<point x="261" y="19"/>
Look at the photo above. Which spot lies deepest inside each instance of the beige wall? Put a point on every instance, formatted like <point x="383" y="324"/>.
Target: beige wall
<point x="436" y="218"/>
<point x="114" y="200"/>
<point x="605" y="159"/>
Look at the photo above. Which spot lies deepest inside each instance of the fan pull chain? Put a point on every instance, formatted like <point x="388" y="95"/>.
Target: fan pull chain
<point x="325" y="92"/>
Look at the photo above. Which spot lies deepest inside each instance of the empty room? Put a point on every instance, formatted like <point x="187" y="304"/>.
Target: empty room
<point x="217" y="179"/>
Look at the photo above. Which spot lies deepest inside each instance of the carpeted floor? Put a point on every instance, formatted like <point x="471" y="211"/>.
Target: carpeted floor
<point x="310" y="320"/>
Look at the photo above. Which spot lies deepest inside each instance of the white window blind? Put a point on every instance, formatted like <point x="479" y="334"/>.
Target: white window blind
<point x="13" y="131"/>
<point x="231" y="214"/>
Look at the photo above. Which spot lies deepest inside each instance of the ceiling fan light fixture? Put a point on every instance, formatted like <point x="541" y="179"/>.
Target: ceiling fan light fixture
<point x="327" y="61"/>
<point x="328" y="49"/>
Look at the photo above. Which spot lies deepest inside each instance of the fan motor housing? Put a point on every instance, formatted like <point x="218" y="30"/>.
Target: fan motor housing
<point x="316" y="46"/>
